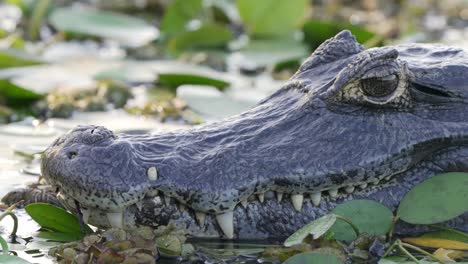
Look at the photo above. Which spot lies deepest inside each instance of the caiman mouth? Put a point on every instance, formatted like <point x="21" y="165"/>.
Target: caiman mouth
<point x="278" y="206"/>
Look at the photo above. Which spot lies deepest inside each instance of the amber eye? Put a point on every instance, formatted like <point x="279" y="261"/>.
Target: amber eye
<point x="379" y="87"/>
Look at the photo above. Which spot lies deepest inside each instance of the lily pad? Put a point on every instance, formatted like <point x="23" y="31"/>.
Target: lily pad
<point x="8" y="259"/>
<point x="438" y="199"/>
<point x="178" y="14"/>
<point x="16" y="95"/>
<point x="208" y="101"/>
<point x="54" y="218"/>
<point x="175" y="79"/>
<point x="126" y="30"/>
<point x="270" y="52"/>
<point x="270" y="18"/>
<point x="15" y="58"/>
<point x="210" y="35"/>
<point x="28" y="150"/>
<point x="28" y="128"/>
<point x="169" y="245"/>
<point x="314" y="258"/>
<point x="316" y="32"/>
<point x="369" y="217"/>
<point x="58" y="236"/>
<point x="316" y="228"/>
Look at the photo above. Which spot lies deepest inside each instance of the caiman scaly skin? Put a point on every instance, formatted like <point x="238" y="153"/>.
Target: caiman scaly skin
<point x="350" y="124"/>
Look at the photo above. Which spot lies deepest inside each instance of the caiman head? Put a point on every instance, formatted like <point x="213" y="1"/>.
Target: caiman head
<point x="351" y="123"/>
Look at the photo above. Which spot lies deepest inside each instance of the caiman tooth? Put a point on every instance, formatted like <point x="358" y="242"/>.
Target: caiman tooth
<point x="349" y="189"/>
<point x="115" y="219"/>
<point x="388" y="178"/>
<point x="182" y="207"/>
<point x="226" y="222"/>
<point x="297" y="200"/>
<point x="375" y="181"/>
<point x="244" y="203"/>
<point x="279" y="196"/>
<point x="167" y="200"/>
<point x="139" y="205"/>
<point x="363" y="186"/>
<point x="152" y="173"/>
<point x="333" y="192"/>
<point x="261" y="197"/>
<point x="85" y="213"/>
<point x="316" y="197"/>
<point x="152" y="193"/>
<point x="200" y="218"/>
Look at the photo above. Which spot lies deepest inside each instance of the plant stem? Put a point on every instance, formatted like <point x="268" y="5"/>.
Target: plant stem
<point x="15" y="221"/>
<point x="422" y="251"/>
<point x="392" y="227"/>
<point x="389" y="250"/>
<point x="37" y="17"/>
<point x="355" y="228"/>
<point x="4" y="245"/>
<point x="403" y="249"/>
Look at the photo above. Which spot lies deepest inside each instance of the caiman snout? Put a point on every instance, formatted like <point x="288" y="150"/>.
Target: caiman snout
<point x="89" y="164"/>
<point x="84" y="135"/>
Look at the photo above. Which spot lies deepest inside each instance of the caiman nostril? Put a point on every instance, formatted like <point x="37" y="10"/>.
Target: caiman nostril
<point x="72" y="154"/>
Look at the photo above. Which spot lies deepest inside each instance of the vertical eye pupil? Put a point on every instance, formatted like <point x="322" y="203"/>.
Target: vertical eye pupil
<point x="379" y="87"/>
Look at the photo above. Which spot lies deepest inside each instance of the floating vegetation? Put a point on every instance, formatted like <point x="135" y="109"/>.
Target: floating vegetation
<point x="118" y="246"/>
<point x="63" y="102"/>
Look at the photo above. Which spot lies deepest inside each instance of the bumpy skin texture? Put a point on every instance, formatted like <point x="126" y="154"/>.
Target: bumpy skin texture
<point x="389" y="117"/>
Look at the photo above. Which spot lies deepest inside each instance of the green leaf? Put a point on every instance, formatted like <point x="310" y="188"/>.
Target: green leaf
<point x="207" y="36"/>
<point x="267" y="18"/>
<point x="313" y="258"/>
<point x="447" y="234"/>
<point x="316" y="228"/>
<point x="9" y="259"/>
<point x="58" y="236"/>
<point x="16" y="58"/>
<point x="292" y="64"/>
<point x="125" y="29"/>
<point x="16" y="95"/>
<point x="438" y="199"/>
<point x="174" y="80"/>
<point x="178" y="14"/>
<point x="369" y="217"/>
<point x="272" y="51"/>
<point x="169" y="245"/>
<point x="55" y="218"/>
<point x="316" y="32"/>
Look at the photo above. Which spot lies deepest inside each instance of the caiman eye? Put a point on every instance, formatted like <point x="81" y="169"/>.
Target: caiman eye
<point x="379" y="86"/>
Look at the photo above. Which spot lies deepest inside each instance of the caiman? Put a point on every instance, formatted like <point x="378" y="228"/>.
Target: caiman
<point x="352" y="123"/>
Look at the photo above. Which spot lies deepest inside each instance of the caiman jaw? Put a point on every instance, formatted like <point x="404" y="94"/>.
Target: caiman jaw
<point x="225" y="220"/>
<point x="350" y="124"/>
